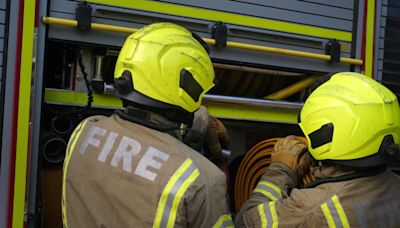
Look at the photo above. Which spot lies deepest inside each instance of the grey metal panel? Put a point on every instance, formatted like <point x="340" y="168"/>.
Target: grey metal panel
<point x="358" y="39"/>
<point x="2" y="16"/>
<point x="244" y="9"/>
<point x="8" y="115"/>
<point x="379" y="76"/>
<point x="380" y="53"/>
<point x="282" y="40"/>
<point x="117" y="39"/>
<point x="383" y="22"/>
<point x="97" y="37"/>
<point x="3" y="4"/>
<point x="280" y="60"/>
<point x="377" y="35"/>
<point x="305" y="7"/>
<point x="380" y="64"/>
<point x="348" y="4"/>
<point x="134" y="18"/>
<point x="384" y="10"/>
<point x="274" y="13"/>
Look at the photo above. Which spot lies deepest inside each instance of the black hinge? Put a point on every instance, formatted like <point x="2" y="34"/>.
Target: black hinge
<point x="332" y="48"/>
<point x="84" y="16"/>
<point x="219" y="33"/>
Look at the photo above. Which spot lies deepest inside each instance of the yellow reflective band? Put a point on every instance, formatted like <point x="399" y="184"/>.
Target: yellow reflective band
<point x="173" y="192"/>
<point x="179" y="195"/>
<point x="269" y="189"/>
<point x="272" y="210"/>
<point x="71" y="145"/>
<point x="71" y="138"/>
<point x="224" y="221"/>
<point x="328" y="215"/>
<point x="232" y="18"/>
<point x="339" y="208"/>
<point x="262" y="216"/>
<point x="266" y="193"/>
<point x="23" y="113"/>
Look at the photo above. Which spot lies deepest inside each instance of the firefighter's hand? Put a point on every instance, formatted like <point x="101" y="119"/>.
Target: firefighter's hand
<point x="208" y="135"/>
<point x="292" y="152"/>
<point x="216" y="139"/>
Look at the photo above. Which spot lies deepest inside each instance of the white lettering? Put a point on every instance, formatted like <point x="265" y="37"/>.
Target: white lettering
<point x="107" y="146"/>
<point x="127" y="149"/>
<point x="90" y="138"/>
<point x="148" y="160"/>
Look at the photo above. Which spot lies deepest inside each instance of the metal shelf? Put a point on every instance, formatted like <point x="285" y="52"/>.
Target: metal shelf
<point x="225" y="107"/>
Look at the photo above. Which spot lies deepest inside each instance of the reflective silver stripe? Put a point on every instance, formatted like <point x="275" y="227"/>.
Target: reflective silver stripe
<point x="268" y="214"/>
<point x="270" y="190"/>
<point x="224" y="221"/>
<point x="227" y="224"/>
<point x="334" y="213"/>
<point x="172" y="193"/>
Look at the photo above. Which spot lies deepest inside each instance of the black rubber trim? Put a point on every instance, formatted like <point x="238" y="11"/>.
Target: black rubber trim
<point x="321" y="136"/>
<point x="190" y="85"/>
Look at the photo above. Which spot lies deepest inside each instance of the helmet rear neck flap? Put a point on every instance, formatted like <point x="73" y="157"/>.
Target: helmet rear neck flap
<point x="130" y="97"/>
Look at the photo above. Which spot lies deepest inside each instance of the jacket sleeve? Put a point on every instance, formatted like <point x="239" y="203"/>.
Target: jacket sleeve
<point x="207" y="205"/>
<point x="275" y="185"/>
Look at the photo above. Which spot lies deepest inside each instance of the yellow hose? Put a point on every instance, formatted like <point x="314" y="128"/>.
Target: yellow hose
<point x="292" y="89"/>
<point x="113" y="28"/>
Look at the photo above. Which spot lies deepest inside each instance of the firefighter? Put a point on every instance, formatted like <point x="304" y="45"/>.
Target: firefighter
<point x="132" y="169"/>
<point x="352" y="126"/>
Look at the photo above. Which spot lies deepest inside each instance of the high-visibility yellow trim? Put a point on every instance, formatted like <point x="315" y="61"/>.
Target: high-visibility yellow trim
<point x="262" y="215"/>
<point x="271" y="185"/>
<point x="328" y="215"/>
<point x="266" y="193"/>
<point x="254" y="114"/>
<point x="95" y="26"/>
<point x="70" y="148"/>
<point x="292" y="89"/>
<point x="164" y="195"/>
<point x="290" y="52"/>
<point x="66" y="97"/>
<point x="280" y="115"/>
<point x="342" y="214"/>
<point x="253" y="47"/>
<point x="222" y="219"/>
<point x="273" y="214"/>
<point x="369" y="41"/>
<point x="232" y="18"/>
<point x="24" y="103"/>
<point x="179" y="195"/>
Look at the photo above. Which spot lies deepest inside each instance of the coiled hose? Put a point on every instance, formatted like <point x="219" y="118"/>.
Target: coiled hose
<point x="253" y="166"/>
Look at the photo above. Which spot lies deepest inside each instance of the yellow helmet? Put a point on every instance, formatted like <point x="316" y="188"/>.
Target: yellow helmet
<point x="349" y="119"/>
<point x="165" y="67"/>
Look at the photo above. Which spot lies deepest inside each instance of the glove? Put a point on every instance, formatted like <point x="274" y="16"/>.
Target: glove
<point x="292" y="152"/>
<point x="207" y="135"/>
<point x="216" y="139"/>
